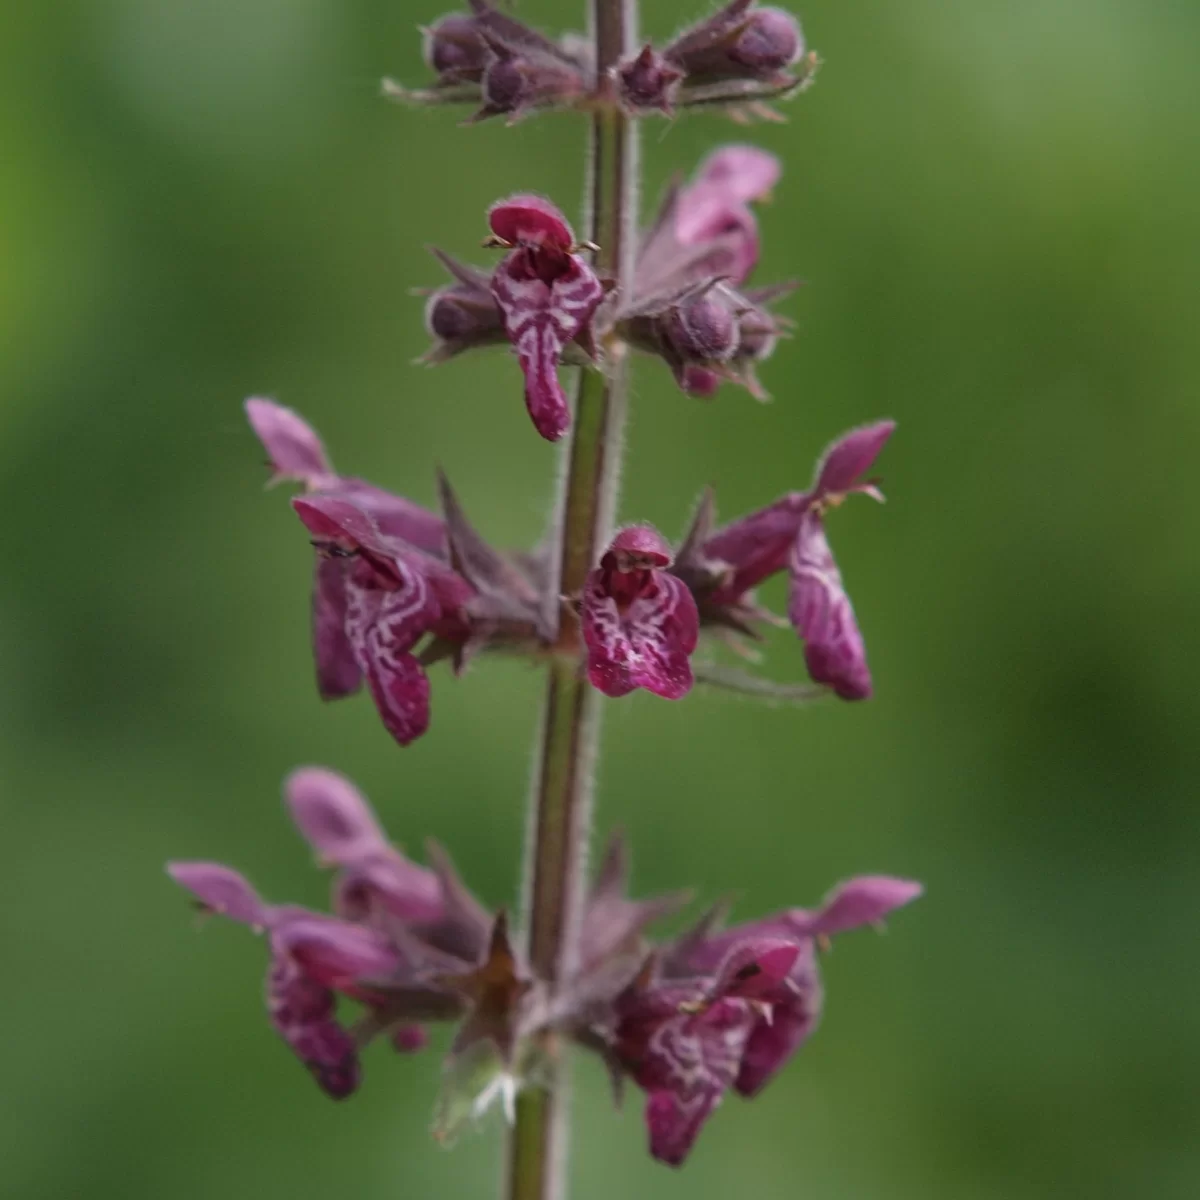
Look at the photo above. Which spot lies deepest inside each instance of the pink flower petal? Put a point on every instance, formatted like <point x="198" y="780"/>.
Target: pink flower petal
<point x="221" y="890"/>
<point x="863" y="900"/>
<point x="821" y="613"/>
<point x="333" y="816"/>
<point x="845" y="460"/>
<point x="540" y="318"/>
<point x="646" y="643"/>
<point x="526" y="220"/>
<point x="291" y="444"/>
<point x="338" y="672"/>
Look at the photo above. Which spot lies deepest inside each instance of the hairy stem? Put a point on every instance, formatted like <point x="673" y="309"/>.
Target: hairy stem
<point x="562" y="790"/>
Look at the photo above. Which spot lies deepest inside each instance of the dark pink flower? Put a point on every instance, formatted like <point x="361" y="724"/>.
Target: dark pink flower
<point x="390" y="574"/>
<point x="395" y="594"/>
<point x="547" y="294"/>
<point x="688" y="306"/>
<point x="402" y="931"/>
<point x="716" y="203"/>
<point x="723" y="566"/>
<point x="312" y="958"/>
<point x="726" y="1009"/>
<point x="639" y="622"/>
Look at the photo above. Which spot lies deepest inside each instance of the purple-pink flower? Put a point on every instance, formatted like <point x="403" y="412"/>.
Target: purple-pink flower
<point x="640" y="623"/>
<point x="717" y="1010"/>
<point x="547" y="294"/>
<point x="395" y="584"/>
<point x="710" y="1011"/>
<point x="399" y="930"/>
<point x="723" y="566"/>
<point x="690" y="306"/>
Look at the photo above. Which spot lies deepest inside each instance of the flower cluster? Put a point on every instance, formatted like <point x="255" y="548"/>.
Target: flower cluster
<point x="397" y="587"/>
<point x="712" y="1010"/>
<point x="688" y="306"/>
<point x="740" y="59"/>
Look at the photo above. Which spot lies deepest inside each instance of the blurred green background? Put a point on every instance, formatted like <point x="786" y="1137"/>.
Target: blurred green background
<point x="995" y="208"/>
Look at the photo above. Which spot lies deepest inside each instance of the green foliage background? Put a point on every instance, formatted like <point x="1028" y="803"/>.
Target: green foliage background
<point x="994" y="206"/>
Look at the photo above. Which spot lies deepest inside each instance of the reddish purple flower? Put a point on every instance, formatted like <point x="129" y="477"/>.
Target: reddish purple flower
<point x="710" y="1011"/>
<point x="722" y="567"/>
<point x="726" y="1009"/>
<point x="312" y="958"/>
<point x="639" y="622"/>
<point x="404" y="933"/>
<point x="391" y="574"/>
<point x="716" y="203"/>
<point x="395" y="594"/>
<point x="689" y="307"/>
<point x="547" y="295"/>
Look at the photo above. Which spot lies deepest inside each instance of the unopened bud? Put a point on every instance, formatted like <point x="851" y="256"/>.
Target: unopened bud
<point x="454" y="49"/>
<point x="757" y="335"/>
<point x="770" y="41"/>
<point x="702" y="329"/>
<point x="514" y="84"/>
<point x="460" y="318"/>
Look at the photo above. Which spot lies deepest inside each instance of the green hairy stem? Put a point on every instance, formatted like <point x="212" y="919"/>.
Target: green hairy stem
<point x="562" y="790"/>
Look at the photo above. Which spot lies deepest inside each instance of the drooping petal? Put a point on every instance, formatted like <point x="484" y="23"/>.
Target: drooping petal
<point x="540" y="318"/>
<point x="674" y="1121"/>
<point x="845" y="460"/>
<point x="303" y="1013"/>
<point x="333" y="816"/>
<point x="772" y="1043"/>
<point x="821" y="613"/>
<point x="292" y="445"/>
<point x="338" y="672"/>
<point x="685" y="1062"/>
<point x="383" y="627"/>
<point x="645" y="643"/>
<point x="221" y="889"/>
<point x="863" y="900"/>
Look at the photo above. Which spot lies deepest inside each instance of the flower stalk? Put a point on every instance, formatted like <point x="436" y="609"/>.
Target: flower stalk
<point x="400" y="590"/>
<point x="561" y="797"/>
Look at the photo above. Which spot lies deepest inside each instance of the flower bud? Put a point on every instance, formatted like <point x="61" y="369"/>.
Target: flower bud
<point x="515" y="83"/>
<point x="702" y="329"/>
<point x="454" y="49"/>
<point x="463" y="318"/>
<point x="647" y="81"/>
<point x="770" y="42"/>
